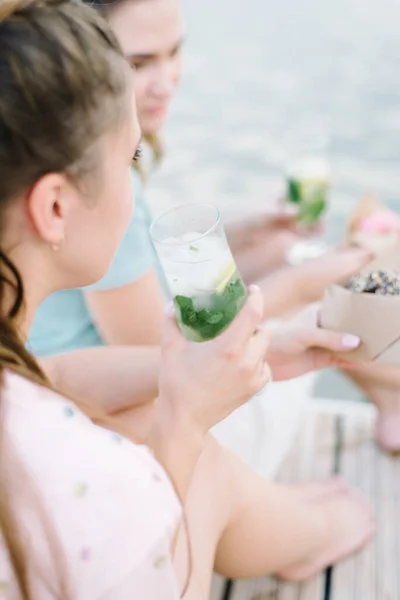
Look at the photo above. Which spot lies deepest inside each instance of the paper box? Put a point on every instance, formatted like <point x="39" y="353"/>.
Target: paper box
<point x="375" y="319"/>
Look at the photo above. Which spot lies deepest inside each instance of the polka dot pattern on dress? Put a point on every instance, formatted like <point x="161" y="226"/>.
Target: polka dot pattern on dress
<point x="157" y="478"/>
<point x="68" y="412"/>
<point x="86" y="553"/>
<point x="160" y="562"/>
<point x="80" y="489"/>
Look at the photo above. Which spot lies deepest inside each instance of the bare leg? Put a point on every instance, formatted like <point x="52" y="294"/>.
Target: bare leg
<point x="273" y="530"/>
<point x="245" y="526"/>
<point x="382" y="386"/>
<point x="312" y="490"/>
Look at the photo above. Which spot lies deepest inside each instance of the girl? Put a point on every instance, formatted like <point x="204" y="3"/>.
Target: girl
<point x="85" y="513"/>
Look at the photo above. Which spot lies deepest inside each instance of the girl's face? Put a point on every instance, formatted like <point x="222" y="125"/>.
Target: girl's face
<point x="97" y="222"/>
<point x="85" y="223"/>
<point x="151" y="34"/>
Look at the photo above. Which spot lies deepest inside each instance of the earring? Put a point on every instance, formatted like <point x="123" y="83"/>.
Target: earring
<point x="56" y="247"/>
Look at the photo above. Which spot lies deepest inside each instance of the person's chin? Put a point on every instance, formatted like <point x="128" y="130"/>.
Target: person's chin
<point x="153" y="122"/>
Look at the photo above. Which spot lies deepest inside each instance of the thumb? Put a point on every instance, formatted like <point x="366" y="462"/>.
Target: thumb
<point x="331" y="341"/>
<point x="171" y="334"/>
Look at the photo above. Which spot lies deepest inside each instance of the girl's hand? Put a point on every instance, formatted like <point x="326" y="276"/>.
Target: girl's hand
<point x="261" y="244"/>
<point x="301" y="347"/>
<point x="264" y="228"/>
<point x="295" y="352"/>
<point x="335" y="266"/>
<point x="202" y="383"/>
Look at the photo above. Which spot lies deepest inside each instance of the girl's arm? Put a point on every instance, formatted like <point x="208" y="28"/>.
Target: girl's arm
<point x="112" y="378"/>
<point x="291" y="288"/>
<point x="129" y="314"/>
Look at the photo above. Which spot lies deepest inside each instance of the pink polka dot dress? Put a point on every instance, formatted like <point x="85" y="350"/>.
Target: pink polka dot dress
<point x="110" y="506"/>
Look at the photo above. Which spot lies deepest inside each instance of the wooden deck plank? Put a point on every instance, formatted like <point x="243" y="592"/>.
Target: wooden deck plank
<point x="266" y="588"/>
<point x="365" y="584"/>
<point x="217" y="587"/>
<point x="396" y="488"/>
<point x="311" y="458"/>
<point x="316" y="442"/>
<point x="387" y="515"/>
<point x="313" y="589"/>
<point x="344" y="574"/>
<point x="374" y="573"/>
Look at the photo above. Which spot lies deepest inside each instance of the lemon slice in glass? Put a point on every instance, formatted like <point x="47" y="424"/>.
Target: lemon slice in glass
<point x="224" y="277"/>
<point x="311" y="185"/>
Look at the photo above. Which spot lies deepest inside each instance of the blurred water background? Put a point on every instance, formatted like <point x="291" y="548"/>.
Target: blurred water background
<point x="257" y="70"/>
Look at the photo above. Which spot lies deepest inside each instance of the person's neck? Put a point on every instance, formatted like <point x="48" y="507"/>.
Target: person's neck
<point x="34" y="289"/>
<point x="31" y="304"/>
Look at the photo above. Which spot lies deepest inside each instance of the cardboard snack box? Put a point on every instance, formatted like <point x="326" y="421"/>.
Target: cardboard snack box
<point x="375" y="319"/>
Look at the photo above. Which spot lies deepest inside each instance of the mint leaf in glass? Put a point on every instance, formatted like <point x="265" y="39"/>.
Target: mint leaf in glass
<point x="294" y="191"/>
<point x="206" y="323"/>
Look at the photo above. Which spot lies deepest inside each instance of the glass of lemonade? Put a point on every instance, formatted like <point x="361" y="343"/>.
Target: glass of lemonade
<point x="201" y="273"/>
<point x="308" y="175"/>
<point x="308" y="183"/>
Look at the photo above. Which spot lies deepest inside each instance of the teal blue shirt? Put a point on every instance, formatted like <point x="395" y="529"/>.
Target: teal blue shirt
<point x="63" y="322"/>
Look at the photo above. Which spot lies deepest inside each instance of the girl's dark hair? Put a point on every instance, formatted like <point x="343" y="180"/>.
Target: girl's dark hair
<point x="63" y="86"/>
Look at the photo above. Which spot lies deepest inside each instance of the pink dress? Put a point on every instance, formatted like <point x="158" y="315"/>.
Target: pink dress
<point x="109" y="502"/>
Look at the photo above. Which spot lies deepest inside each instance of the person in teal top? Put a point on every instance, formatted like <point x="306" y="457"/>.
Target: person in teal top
<point x="64" y="321"/>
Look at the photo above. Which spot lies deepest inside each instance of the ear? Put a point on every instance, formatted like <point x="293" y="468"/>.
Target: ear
<point x="48" y="205"/>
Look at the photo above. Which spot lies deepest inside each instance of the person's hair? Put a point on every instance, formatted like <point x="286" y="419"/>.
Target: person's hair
<point x="63" y="86"/>
<point x="153" y="141"/>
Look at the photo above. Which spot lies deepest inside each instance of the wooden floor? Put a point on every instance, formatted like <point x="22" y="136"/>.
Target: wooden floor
<point x="338" y="437"/>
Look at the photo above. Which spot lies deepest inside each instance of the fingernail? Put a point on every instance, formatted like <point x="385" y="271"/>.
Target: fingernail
<point x="253" y="289"/>
<point x="350" y="341"/>
<point x="169" y="309"/>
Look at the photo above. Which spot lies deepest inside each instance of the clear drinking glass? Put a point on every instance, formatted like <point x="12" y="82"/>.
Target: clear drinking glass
<point x="202" y="276"/>
<point x="308" y="177"/>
